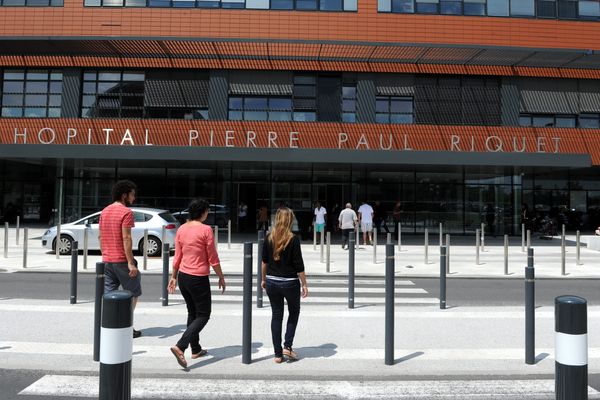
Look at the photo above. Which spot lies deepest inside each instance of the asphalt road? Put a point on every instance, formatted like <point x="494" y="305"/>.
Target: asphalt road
<point x="460" y="292"/>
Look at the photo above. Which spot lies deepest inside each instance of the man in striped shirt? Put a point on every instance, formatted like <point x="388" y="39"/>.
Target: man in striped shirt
<point x="116" y="221"/>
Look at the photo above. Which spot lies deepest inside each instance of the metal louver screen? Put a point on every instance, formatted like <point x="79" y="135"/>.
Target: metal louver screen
<point x="176" y="90"/>
<point x="260" y="83"/>
<point x="395" y="85"/>
<point x="549" y="97"/>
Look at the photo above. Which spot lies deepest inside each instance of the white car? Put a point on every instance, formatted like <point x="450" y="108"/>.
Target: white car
<point x="145" y="218"/>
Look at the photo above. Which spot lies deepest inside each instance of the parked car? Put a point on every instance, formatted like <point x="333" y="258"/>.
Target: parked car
<point x="145" y="218"/>
<point x="218" y="214"/>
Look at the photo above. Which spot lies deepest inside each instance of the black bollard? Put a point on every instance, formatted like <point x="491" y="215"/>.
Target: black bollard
<point x="259" y="289"/>
<point x="351" y="244"/>
<point x="98" y="308"/>
<point x="389" y="304"/>
<point x="73" y="298"/>
<point x="116" y="345"/>
<point x="247" y="306"/>
<point x="443" y="256"/>
<point x="165" y="275"/>
<point x="571" y="359"/>
<point x="530" y="309"/>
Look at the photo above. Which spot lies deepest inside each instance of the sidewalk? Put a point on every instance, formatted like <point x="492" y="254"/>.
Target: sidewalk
<point x="410" y="262"/>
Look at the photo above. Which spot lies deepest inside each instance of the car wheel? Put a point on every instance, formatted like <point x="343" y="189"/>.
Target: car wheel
<point x="66" y="243"/>
<point x="154" y="246"/>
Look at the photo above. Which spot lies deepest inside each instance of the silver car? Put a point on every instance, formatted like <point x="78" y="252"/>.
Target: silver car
<point x="145" y="218"/>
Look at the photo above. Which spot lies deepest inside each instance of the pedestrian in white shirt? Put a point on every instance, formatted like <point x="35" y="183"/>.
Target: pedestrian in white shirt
<point x="365" y="217"/>
<point x="347" y="222"/>
<point x="320" y="213"/>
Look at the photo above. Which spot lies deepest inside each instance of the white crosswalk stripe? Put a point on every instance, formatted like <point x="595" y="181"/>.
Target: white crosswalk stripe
<point x="322" y="299"/>
<point x="152" y="388"/>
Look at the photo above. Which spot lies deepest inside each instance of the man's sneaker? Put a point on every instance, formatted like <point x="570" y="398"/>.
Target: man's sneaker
<point x="288" y="352"/>
<point x="136" y="334"/>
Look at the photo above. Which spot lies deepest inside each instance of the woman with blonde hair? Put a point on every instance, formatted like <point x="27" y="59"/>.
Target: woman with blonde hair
<point x="283" y="277"/>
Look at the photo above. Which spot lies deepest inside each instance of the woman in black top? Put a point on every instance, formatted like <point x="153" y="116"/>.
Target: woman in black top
<point x="283" y="277"/>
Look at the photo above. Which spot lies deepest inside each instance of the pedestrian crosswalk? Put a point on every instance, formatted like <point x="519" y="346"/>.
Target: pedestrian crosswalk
<point x="178" y="388"/>
<point x="330" y="290"/>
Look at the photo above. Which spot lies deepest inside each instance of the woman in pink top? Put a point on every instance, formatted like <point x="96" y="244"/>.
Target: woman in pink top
<point x="195" y="253"/>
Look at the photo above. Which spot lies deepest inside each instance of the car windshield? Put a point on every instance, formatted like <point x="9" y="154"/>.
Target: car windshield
<point x="167" y="216"/>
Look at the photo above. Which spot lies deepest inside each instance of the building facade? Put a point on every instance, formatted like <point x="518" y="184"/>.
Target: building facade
<point x="461" y="110"/>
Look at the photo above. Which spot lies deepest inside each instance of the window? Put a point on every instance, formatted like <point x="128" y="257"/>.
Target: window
<point x="349" y="103"/>
<point x="566" y="121"/>
<point x="331" y="5"/>
<point x="394" y="110"/>
<point x="522" y="8"/>
<point x="567" y="9"/>
<point x="589" y="121"/>
<point x="548" y="120"/>
<point x="499" y="8"/>
<point x="474" y="7"/>
<point x="321" y="5"/>
<point x="403" y="6"/>
<point x="31" y="93"/>
<point x="31" y="3"/>
<point x="304" y="98"/>
<point x="546" y="9"/>
<point x="112" y="94"/>
<point x="589" y="9"/>
<point x="451" y="7"/>
<point x="427" y="6"/>
<point x="254" y="108"/>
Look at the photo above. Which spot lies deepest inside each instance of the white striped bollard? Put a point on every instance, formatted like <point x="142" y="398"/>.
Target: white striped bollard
<point x="571" y="359"/>
<point x="116" y="345"/>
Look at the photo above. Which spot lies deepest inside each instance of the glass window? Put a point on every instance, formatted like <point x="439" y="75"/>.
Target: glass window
<point x="12" y="112"/>
<point x="427" y="6"/>
<point x="113" y="94"/>
<point x="306" y="4"/>
<point x="589" y="121"/>
<point x="37" y="100"/>
<point x="350" y="5"/>
<point x="11" y="74"/>
<point x="280" y="104"/>
<point x="112" y="3"/>
<point x="403" y="6"/>
<point x="384" y="5"/>
<point x="349" y="117"/>
<point x="589" y="9"/>
<point x="135" y="3"/>
<point x="566" y="121"/>
<point x="232" y="3"/>
<point x="255" y="103"/>
<point x="382" y="118"/>
<point x="451" y="7"/>
<point x="525" y="120"/>
<point x="282" y="4"/>
<point x="208" y="4"/>
<point x="12" y="100"/>
<point x="331" y="5"/>
<point x="280" y="115"/>
<point x="257" y="4"/>
<point x="567" y="9"/>
<point x="474" y="7"/>
<point x="13" y="86"/>
<point x="235" y="103"/>
<point x="36" y="87"/>
<point x="235" y="115"/>
<point x="522" y="8"/>
<point x="546" y="9"/>
<point x="543" y="121"/>
<point x="305" y="116"/>
<point x="255" y="115"/>
<point x="35" y="113"/>
<point x="25" y="93"/>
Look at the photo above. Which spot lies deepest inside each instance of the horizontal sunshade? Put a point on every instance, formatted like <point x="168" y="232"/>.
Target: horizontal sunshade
<point x="181" y="91"/>
<point x="589" y="96"/>
<point x="395" y="85"/>
<point x="260" y="83"/>
<point x="539" y="96"/>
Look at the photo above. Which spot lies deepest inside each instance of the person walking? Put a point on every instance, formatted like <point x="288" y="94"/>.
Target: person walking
<point x="195" y="254"/>
<point x="320" y="215"/>
<point x="379" y="217"/>
<point x="114" y="236"/>
<point x="283" y="277"/>
<point x="347" y="223"/>
<point x="365" y="218"/>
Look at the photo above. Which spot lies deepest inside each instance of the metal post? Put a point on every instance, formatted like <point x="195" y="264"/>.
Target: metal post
<point x="145" y="249"/>
<point x="571" y="359"/>
<point x="523" y="238"/>
<point x="482" y="237"/>
<point x="6" y="240"/>
<point x="229" y="234"/>
<point x="322" y="246"/>
<point x="73" y="296"/>
<point x="116" y="346"/>
<point x="217" y="237"/>
<point x="530" y="310"/>
<point x="25" y="243"/>
<point x="426" y="246"/>
<point x="85" y="246"/>
<point x="389" y="238"/>
<point x="389" y="304"/>
<point x="314" y="236"/>
<point x="165" y="275"/>
<point x="98" y="308"/>
<point x="399" y="236"/>
<point x="18" y="229"/>
<point x="328" y="253"/>
<point x="528" y="239"/>
<point x="447" y="253"/>
<point x="477" y="247"/>
<point x="58" y="241"/>
<point x="563" y="267"/>
<point x="163" y="234"/>
<point x="578" y="249"/>
<point x="247" y="306"/>
<point x="351" y="245"/>
<point x="441" y="235"/>
<point x="374" y="243"/>
<point x="357" y="237"/>
<point x="443" y="264"/>
<point x="259" y="289"/>
<point x="505" y="254"/>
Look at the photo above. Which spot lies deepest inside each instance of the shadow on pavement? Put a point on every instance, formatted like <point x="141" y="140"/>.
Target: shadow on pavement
<point x="164" y="332"/>
<point x="540" y="357"/>
<point x="222" y="353"/>
<point x="408" y="357"/>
